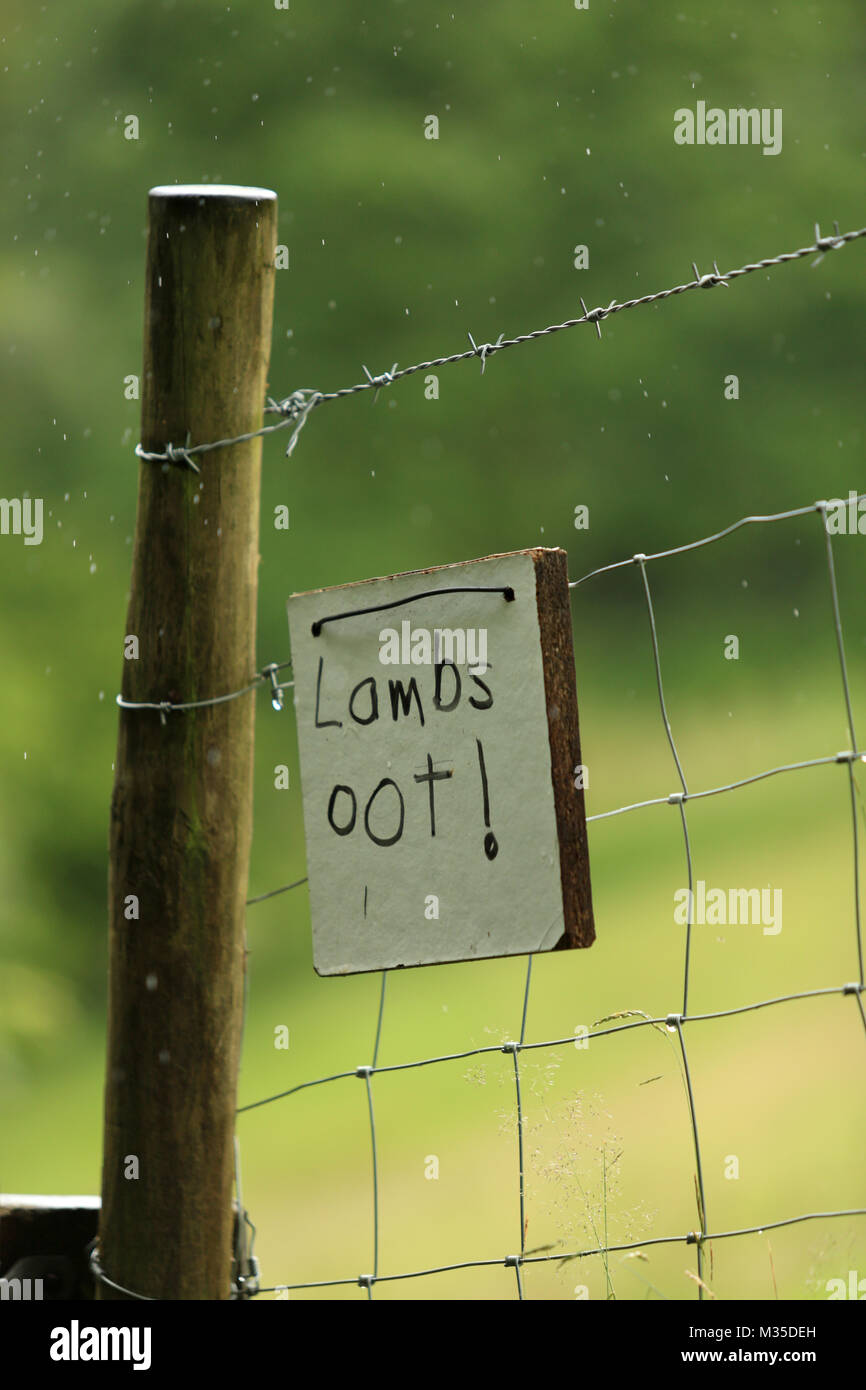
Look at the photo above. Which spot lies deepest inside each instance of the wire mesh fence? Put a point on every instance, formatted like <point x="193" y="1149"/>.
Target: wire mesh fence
<point x="678" y="1022"/>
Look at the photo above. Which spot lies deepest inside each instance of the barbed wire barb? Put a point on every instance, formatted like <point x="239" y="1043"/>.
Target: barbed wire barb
<point x="377" y="382"/>
<point x="484" y="350"/>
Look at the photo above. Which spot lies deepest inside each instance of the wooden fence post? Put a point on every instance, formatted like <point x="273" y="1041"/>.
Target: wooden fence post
<point x="181" y="812"/>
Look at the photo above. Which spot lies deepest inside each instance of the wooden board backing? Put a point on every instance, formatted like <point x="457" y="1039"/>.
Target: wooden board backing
<point x="533" y="907"/>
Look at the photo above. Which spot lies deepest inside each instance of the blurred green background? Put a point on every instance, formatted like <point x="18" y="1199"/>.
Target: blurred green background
<point x="556" y="130"/>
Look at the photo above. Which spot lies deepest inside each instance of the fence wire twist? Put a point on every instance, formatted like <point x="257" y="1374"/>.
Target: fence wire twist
<point x="676" y="1021"/>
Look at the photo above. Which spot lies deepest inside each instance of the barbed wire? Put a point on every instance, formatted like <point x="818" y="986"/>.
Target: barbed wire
<point x="295" y="408"/>
<point x="627" y="1020"/>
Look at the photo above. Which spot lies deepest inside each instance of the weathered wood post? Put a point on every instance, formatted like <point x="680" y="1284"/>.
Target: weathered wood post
<point x="181" y="813"/>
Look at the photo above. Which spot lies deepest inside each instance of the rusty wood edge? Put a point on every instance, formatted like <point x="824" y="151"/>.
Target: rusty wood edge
<point x="560" y="688"/>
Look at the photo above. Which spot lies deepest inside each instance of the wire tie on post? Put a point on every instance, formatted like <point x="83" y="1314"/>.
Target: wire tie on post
<point x="248" y="1279"/>
<point x="101" y="1277"/>
<point x="168" y="707"/>
<point x="245" y="1280"/>
<point x="178" y="453"/>
<point x="297" y="407"/>
<point x="271" y="673"/>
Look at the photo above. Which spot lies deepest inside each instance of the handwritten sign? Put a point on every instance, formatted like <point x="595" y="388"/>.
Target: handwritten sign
<point x="440" y="765"/>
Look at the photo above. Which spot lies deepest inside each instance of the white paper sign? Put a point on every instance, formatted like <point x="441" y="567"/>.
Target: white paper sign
<point x="425" y="754"/>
